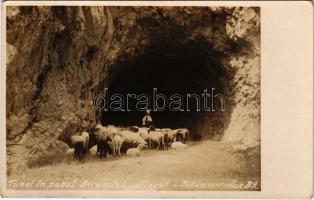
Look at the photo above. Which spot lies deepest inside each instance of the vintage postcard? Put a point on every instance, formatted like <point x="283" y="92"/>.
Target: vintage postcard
<point x="148" y="99"/>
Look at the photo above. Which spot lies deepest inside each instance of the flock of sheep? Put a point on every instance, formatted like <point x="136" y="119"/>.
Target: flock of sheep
<point x="111" y="139"/>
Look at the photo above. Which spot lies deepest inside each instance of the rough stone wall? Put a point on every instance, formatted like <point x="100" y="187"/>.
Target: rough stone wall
<point x="59" y="54"/>
<point x="59" y="57"/>
<point x="244" y="124"/>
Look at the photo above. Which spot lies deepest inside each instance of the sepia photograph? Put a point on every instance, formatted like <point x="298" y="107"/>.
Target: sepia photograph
<point x="132" y="98"/>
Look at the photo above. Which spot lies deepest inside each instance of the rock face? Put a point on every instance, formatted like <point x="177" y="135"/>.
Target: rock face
<point x="59" y="58"/>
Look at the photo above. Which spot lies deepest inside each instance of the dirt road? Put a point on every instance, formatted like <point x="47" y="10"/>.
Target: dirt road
<point x="203" y="166"/>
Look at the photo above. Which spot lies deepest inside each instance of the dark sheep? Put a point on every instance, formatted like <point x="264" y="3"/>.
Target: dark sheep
<point x="179" y="137"/>
<point x="166" y="141"/>
<point x="103" y="148"/>
<point x="79" y="150"/>
<point x="92" y="139"/>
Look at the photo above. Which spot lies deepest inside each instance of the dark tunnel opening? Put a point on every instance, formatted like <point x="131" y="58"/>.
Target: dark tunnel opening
<point x="170" y="69"/>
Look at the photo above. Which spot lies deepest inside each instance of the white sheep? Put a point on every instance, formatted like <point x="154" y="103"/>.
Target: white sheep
<point x="184" y="133"/>
<point x="144" y="133"/>
<point x="116" y="145"/>
<point x="134" y="151"/>
<point x="178" y="146"/>
<point x="100" y="132"/>
<point x="84" y="138"/>
<point x="169" y="136"/>
<point x="162" y="129"/>
<point x="86" y="135"/>
<point x="132" y="138"/>
<point x="98" y="127"/>
<point x="103" y="132"/>
<point x="70" y="152"/>
<point x="172" y="135"/>
<point x="93" y="151"/>
<point x="156" y="137"/>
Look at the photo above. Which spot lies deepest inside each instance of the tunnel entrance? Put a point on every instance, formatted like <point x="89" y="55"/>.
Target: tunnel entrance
<point x="171" y="69"/>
